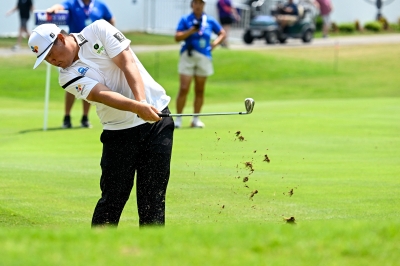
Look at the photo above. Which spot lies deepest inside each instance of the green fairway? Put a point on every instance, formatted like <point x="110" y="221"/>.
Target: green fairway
<point x="329" y="128"/>
<point x="137" y="38"/>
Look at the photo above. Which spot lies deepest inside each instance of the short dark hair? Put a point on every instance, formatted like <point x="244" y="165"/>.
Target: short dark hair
<point x="63" y="32"/>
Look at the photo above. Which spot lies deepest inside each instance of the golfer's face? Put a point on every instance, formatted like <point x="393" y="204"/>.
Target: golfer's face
<point x="59" y="55"/>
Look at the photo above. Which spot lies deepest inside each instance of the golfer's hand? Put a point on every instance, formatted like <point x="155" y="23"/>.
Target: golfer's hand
<point x="148" y="113"/>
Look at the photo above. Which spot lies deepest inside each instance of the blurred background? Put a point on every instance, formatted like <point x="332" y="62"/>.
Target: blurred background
<point x="161" y="16"/>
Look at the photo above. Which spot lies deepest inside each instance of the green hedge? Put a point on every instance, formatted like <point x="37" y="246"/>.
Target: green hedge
<point x="375" y="26"/>
<point x="346" y="27"/>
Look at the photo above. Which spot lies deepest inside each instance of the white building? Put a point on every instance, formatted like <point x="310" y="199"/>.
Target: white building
<point x="163" y="15"/>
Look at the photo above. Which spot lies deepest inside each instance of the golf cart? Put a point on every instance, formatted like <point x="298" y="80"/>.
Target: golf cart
<point x="266" y="27"/>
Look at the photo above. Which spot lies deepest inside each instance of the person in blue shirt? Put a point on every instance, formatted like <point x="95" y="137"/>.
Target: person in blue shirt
<point x="195" y="32"/>
<point x="81" y="14"/>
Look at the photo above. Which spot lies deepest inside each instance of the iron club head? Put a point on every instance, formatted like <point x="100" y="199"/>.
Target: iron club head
<point x="249" y="104"/>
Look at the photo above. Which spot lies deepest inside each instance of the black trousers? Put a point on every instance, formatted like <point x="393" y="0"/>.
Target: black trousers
<point x="146" y="150"/>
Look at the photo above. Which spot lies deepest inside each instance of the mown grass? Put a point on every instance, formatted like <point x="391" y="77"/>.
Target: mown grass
<point x="331" y="135"/>
<point x="137" y="38"/>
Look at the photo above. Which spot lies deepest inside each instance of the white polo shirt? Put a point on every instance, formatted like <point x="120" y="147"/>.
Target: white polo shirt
<point x="99" y="42"/>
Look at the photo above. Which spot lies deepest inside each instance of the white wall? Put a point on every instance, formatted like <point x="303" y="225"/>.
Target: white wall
<point x="127" y="14"/>
<point x="136" y="16"/>
<point x="352" y="10"/>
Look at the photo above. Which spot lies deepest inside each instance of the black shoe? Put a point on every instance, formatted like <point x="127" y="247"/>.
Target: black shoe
<point x="67" y="122"/>
<point x="85" y="122"/>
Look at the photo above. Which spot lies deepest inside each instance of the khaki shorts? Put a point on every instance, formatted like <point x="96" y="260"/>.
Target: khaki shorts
<point x="195" y="65"/>
<point x="288" y="19"/>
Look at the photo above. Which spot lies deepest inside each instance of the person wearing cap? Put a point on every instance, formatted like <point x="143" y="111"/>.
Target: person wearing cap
<point x="97" y="65"/>
<point x="81" y="14"/>
<point x="194" y="31"/>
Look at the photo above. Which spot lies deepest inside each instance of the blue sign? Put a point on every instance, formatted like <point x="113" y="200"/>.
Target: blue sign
<point x="60" y="18"/>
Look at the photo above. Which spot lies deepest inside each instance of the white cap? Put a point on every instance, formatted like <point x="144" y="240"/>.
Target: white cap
<point x="42" y="39"/>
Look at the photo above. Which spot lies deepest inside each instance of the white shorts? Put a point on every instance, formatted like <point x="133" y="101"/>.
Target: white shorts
<point x="195" y="65"/>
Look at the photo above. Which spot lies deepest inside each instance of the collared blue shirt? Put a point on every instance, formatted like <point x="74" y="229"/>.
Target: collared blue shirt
<point x="80" y="17"/>
<point x="199" y="41"/>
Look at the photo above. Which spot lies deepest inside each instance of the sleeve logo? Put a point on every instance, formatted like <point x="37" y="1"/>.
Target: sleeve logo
<point x="119" y="36"/>
<point x="83" y="70"/>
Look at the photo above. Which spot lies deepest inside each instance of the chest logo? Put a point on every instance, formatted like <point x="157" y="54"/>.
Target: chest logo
<point x="99" y="48"/>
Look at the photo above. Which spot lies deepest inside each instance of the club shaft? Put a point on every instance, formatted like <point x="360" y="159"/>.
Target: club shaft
<point x="202" y="114"/>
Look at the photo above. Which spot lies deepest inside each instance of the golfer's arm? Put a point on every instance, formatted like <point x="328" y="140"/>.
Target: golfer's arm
<point x="102" y="94"/>
<point x="127" y="64"/>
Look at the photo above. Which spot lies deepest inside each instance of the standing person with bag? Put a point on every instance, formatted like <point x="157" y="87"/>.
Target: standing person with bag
<point x="97" y="65"/>
<point x="227" y="15"/>
<point x="81" y="14"/>
<point x="195" y="61"/>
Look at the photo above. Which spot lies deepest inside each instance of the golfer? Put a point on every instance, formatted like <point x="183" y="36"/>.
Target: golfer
<point x="98" y="66"/>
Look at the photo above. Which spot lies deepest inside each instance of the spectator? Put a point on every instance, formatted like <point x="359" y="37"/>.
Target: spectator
<point x="195" y="60"/>
<point x="325" y="7"/>
<point x="25" y="7"/>
<point x="288" y="14"/>
<point x="312" y="6"/>
<point x="128" y="100"/>
<point x="227" y="15"/>
<point x="81" y="14"/>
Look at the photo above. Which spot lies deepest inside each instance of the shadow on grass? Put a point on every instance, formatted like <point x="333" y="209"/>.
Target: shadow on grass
<point x="50" y="129"/>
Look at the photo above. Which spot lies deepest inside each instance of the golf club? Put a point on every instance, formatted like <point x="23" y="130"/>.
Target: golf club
<point x="248" y="103"/>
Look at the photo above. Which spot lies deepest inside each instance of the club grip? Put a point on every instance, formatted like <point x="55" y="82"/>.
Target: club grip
<point x="163" y="115"/>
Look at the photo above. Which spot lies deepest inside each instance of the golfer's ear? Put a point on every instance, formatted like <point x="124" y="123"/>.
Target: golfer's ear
<point x="61" y="38"/>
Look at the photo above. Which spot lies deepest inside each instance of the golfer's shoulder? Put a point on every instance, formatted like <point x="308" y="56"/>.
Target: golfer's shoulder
<point x="98" y="28"/>
<point x="101" y="23"/>
<point x="66" y="75"/>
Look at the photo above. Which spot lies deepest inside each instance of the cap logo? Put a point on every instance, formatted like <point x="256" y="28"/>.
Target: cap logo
<point x="35" y="49"/>
<point x="52" y="35"/>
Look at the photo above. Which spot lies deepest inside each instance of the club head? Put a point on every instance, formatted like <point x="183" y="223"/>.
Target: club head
<point x="249" y="104"/>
